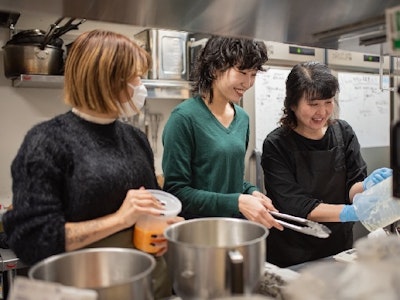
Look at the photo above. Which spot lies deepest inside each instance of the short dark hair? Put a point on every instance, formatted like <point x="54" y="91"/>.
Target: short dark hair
<point x="314" y="80"/>
<point x="222" y="53"/>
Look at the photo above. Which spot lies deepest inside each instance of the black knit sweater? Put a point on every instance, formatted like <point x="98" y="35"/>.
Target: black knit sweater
<point x="71" y="170"/>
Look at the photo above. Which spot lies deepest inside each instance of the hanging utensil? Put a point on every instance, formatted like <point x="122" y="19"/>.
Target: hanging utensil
<point x="67" y="27"/>
<point x="306" y="226"/>
<point x="49" y="34"/>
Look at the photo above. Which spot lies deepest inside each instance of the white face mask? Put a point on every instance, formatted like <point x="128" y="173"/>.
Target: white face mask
<point x="138" y="98"/>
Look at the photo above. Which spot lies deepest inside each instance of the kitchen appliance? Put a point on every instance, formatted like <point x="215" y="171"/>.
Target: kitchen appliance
<point x="168" y="50"/>
<point x="215" y="257"/>
<point x="114" y="273"/>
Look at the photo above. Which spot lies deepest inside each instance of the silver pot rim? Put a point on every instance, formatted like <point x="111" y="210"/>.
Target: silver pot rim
<point x="139" y="276"/>
<point x="169" y="229"/>
<point x="36" y="45"/>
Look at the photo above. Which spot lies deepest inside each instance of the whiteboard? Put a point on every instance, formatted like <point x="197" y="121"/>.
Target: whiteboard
<point x="366" y="107"/>
<point x="362" y="104"/>
<point x="270" y="91"/>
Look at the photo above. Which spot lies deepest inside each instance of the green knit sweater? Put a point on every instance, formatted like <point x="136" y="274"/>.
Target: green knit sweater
<point x="203" y="162"/>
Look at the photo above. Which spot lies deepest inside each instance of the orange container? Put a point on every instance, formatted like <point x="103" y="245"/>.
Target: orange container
<point x="148" y="226"/>
<point x="142" y="237"/>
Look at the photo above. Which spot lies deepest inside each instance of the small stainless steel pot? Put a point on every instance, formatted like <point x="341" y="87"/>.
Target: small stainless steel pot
<point x="114" y="273"/>
<point x="215" y="257"/>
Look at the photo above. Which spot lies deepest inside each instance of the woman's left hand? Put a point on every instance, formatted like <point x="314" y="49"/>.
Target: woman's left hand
<point x="268" y="202"/>
<point x="160" y="240"/>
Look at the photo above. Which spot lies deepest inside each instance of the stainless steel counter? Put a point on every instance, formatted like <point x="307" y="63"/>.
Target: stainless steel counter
<point x="298" y="268"/>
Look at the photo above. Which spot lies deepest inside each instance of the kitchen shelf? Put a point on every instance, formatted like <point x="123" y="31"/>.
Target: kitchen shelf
<point x="167" y="89"/>
<point x="158" y="89"/>
<point x="38" y="81"/>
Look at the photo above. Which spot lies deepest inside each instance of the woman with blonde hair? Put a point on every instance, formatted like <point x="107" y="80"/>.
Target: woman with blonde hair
<point x="80" y="179"/>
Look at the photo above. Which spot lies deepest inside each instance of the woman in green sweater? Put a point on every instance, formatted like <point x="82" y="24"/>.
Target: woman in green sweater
<point x="206" y="137"/>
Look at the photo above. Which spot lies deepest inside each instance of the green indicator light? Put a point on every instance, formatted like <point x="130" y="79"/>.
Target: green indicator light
<point x="370" y="58"/>
<point x="298" y="50"/>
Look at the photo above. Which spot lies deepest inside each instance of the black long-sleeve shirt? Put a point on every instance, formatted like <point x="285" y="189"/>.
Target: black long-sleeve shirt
<point x="280" y="168"/>
<point x="301" y="173"/>
<point x="70" y="170"/>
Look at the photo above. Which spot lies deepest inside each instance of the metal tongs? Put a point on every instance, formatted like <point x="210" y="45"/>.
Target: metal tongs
<point x="306" y="226"/>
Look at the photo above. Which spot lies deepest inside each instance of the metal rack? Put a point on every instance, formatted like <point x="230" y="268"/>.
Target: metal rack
<point x="160" y="89"/>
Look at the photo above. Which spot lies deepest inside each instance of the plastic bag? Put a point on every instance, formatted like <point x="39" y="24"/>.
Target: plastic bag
<point x="376" y="207"/>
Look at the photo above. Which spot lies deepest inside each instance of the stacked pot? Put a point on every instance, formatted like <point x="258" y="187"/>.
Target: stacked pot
<point x="36" y="52"/>
<point x="27" y="52"/>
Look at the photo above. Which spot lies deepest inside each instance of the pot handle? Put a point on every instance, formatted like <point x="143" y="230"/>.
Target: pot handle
<point x="236" y="262"/>
<point x="49" y="35"/>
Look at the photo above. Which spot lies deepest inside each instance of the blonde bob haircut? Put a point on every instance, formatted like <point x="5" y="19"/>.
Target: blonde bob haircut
<point x="98" y="67"/>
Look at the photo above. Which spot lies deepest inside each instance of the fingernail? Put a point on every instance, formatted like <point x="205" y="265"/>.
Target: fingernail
<point x="154" y="235"/>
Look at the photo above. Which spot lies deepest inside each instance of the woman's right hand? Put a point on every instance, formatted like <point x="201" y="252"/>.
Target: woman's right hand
<point x="256" y="209"/>
<point x="138" y="202"/>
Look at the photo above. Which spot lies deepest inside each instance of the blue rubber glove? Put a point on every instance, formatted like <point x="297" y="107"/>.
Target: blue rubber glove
<point x="348" y="214"/>
<point x="376" y="176"/>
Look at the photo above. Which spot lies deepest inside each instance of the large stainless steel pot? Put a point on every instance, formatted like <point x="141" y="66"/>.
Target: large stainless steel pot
<point x="114" y="273"/>
<point x="215" y="257"/>
<point x="32" y="59"/>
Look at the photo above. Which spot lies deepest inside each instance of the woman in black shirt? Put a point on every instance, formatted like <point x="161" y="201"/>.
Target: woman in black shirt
<point x="313" y="168"/>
